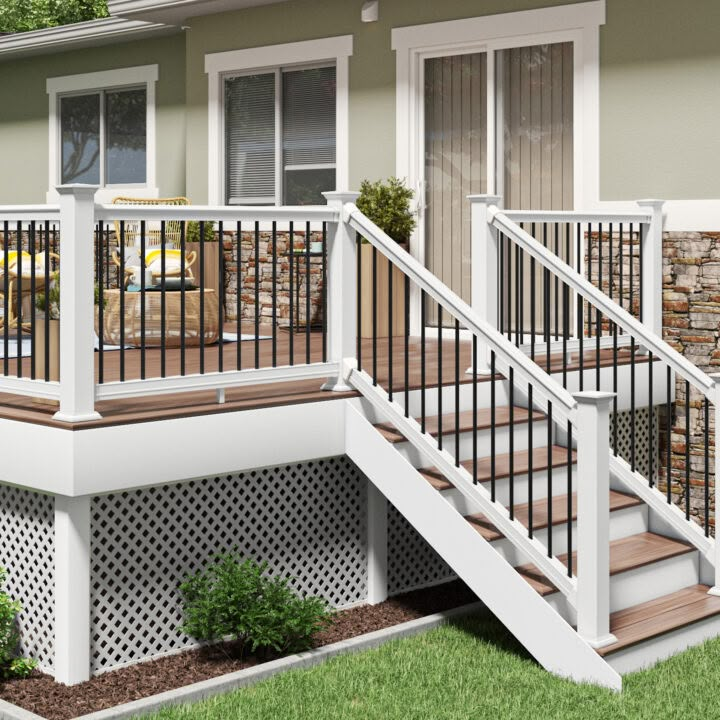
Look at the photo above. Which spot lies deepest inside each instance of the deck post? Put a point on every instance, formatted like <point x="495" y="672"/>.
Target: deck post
<point x="715" y="589"/>
<point x="377" y="550"/>
<point x="484" y="270"/>
<point x="593" y="517"/>
<point x="72" y="589"/>
<point x="341" y="292"/>
<point x="77" y="316"/>
<point x="652" y="269"/>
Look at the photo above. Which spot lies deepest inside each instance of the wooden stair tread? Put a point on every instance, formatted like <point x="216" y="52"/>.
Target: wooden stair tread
<point x="626" y="554"/>
<point x="662" y="615"/>
<point x="618" y="501"/>
<point x="467" y="422"/>
<point x="558" y="458"/>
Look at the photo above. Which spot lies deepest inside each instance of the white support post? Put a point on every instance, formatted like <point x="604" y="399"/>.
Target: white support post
<point x="72" y="589"/>
<point x="77" y="313"/>
<point x="652" y="268"/>
<point x="715" y="589"/>
<point x="377" y="554"/>
<point x="341" y="292"/>
<point x="484" y="270"/>
<point x="593" y="518"/>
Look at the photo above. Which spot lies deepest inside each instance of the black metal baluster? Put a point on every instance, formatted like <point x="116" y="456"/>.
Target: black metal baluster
<point x="475" y="408"/>
<point x="493" y="449"/>
<point x="143" y="299"/>
<point x="632" y="272"/>
<point x="390" y="330"/>
<point x="291" y="291"/>
<point x="706" y="429"/>
<point x="183" y="298"/>
<point x="532" y="299"/>
<point x="511" y="441"/>
<point x="19" y="308"/>
<point x="518" y="283"/>
<point x="457" y="393"/>
<point x="163" y="302"/>
<point x="589" y="276"/>
<point x="238" y="296"/>
<point x="549" y="478"/>
<point x="580" y="320"/>
<point x="308" y="311"/>
<point x="610" y="260"/>
<point x="358" y="299"/>
<point x="569" y="501"/>
<point x="274" y="293"/>
<point x="651" y="444"/>
<point x="121" y="284"/>
<point x="6" y="299"/>
<point x="501" y="287"/>
<point x="324" y="298"/>
<point x="557" y="285"/>
<point x="546" y="317"/>
<point x="374" y="314"/>
<point x="530" y="461"/>
<point x="439" y="376"/>
<point x="632" y="404"/>
<point x="668" y="437"/>
<point x="622" y="267"/>
<point x="257" y="294"/>
<point x="565" y="331"/>
<point x="687" y="450"/>
<point x="422" y="361"/>
<point x="221" y="298"/>
<point x="598" y="335"/>
<point x="406" y="324"/>
<point x="33" y="287"/>
<point x="510" y="289"/>
<point x="641" y="230"/>
<point x="615" y="389"/>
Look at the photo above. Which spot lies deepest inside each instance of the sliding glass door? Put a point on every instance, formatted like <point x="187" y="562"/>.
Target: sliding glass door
<point x="523" y="97"/>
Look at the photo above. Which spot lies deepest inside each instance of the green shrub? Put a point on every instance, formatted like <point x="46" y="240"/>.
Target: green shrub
<point x="10" y="665"/>
<point x="235" y="599"/>
<point x="387" y="204"/>
<point x="192" y="231"/>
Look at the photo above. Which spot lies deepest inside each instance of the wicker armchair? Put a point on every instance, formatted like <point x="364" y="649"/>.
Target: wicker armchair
<point x="130" y="233"/>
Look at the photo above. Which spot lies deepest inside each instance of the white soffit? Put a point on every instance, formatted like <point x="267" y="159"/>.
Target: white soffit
<point x="175" y="12"/>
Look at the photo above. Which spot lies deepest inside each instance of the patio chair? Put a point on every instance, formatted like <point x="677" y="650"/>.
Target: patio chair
<point x="20" y="282"/>
<point x="131" y="233"/>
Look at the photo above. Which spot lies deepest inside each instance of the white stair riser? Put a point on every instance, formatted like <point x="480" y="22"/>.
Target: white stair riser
<point x="653" y="581"/>
<point x="650" y="652"/>
<point x="623" y="523"/>
<point x="484" y="442"/>
<point x="448" y="398"/>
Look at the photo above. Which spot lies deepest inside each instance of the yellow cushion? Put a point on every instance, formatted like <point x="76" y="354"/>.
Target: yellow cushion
<point x="27" y="261"/>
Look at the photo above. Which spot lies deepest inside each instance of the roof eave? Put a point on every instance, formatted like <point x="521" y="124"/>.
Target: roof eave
<point x="176" y="12"/>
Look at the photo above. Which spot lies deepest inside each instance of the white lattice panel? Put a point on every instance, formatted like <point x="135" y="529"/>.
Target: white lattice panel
<point x="642" y="439"/>
<point x="27" y="553"/>
<point x="306" y="520"/>
<point x="412" y="562"/>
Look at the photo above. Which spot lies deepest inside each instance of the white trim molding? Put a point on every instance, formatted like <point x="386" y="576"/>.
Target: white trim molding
<point x="141" y="75"/>
<point x="217" y="65"/>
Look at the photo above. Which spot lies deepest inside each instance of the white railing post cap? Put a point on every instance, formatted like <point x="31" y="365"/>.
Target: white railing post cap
<point x="77" y="189"/>
<point x="341" y="196"/>
<point x="487" y="199"/>
<point x="594" y="397"/>
<point x="653" y="203"/>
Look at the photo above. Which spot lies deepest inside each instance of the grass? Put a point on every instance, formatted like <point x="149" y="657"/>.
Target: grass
<point x="472" y="669"/>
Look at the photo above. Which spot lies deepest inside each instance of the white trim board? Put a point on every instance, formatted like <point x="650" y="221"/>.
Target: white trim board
<point x="146" y="75"/>
<point x="217" y="65"/>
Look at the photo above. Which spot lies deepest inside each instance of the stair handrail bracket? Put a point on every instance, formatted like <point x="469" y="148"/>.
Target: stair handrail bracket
<point x="507" y="355"/>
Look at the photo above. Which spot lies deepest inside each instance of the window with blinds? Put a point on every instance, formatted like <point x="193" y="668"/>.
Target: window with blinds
<point x="280" y="137"/>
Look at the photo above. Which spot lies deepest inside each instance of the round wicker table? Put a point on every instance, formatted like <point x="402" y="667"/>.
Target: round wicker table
<point x="173" y="326"/>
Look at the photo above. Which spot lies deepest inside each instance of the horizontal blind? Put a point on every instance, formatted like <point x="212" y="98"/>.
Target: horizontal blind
<point x="309" y="117"/>
<point x="250" y="139"/>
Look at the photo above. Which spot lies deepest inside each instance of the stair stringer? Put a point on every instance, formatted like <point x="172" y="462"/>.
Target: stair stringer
<point x="535" y="624"/>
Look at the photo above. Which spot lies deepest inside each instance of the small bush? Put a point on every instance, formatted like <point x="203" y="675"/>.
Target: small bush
<point x="192" y="231"/>
<point x="10" y="665"/>
<point x="387" y="204"/>
<point x="236" y="600"/>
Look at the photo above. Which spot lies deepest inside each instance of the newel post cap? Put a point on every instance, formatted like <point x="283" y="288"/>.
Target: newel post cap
<point x="77" y="189"/>
<point x="594" y="397"/>
<point x="341" y="196"/>
<point x="486" y="199"/>
<point x="652" y="203"/>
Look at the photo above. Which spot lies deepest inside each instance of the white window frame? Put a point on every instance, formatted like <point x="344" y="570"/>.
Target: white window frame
<point x="142" y="76"/>
<point x="276" y="58"/>
<point x="577" y="23"/>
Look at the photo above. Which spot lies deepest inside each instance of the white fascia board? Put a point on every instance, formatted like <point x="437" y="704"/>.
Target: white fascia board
<point x="492" y="27"/>
<point x="105" y="31"/>
<point x="177" y="11"/>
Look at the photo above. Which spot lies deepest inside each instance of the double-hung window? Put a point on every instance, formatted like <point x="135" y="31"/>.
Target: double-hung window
<point x="103" y="137"/>
<point x="280" y="136"/>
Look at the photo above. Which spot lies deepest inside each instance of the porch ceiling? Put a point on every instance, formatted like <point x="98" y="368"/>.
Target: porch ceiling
<point x="175" y="12"/>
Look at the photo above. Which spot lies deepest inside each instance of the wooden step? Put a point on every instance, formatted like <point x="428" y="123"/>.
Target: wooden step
<point x="467" y="422"/>
<point x="626" y="554"/>
<point x="662" y="615"/>
<point x="618" y="501"/>
<point x="558" y="458"/>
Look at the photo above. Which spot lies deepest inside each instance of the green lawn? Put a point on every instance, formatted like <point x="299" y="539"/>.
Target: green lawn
<point x="472" y="669"/>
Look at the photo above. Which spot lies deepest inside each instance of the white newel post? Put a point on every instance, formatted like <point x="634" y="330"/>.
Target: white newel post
<point x="341" y="292"/>
<point x="377" y="550"/>
<point x="593" y="518"/>
<point x="72" y="589"/>
<point x="77" y="306"/>
<point x="652" y="267"/>
<point x="715" y="589"/>
<point x="484" y="270"/>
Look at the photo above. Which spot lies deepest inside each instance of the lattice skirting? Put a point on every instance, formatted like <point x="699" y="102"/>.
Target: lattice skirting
<point x="642" y="448"/>
<point x="27" y="529"/>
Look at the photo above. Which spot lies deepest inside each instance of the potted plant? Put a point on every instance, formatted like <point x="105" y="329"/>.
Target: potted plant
<point x="387" y="204"/>
<point x="48" y="305"/>
<point x="211" y="248"/>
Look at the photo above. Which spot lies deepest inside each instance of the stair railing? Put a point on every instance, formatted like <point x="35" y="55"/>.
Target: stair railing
<point x="668" y="462"/>
<point x="521" y="397"/>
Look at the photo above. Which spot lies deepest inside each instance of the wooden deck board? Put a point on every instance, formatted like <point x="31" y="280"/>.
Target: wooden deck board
<point x="158" y="407"/>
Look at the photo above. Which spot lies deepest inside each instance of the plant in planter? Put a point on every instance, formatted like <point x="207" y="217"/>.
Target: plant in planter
<point x="11" y="666"/>
<point x="49" y="306"/>
<point x="211" y="249"/>
<point x="234" y="599"/>
<point x="387" y="204"/>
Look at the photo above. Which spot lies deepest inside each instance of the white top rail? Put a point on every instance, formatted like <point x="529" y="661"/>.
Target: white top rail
<point x="220" y="213"/>
<point x="570" y="216"/>
<point x="656" y="345"/>
<point x="506" y="352"/>
<point x="29" y="213"/>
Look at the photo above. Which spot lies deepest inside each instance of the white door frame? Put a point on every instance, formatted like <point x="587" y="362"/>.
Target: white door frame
<point x="577" y="23"/>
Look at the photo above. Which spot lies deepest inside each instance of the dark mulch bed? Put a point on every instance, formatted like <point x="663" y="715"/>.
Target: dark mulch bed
<point x="40" y="694"/>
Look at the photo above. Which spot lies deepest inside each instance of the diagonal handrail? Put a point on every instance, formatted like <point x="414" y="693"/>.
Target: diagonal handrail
<point x="623" y="319"/>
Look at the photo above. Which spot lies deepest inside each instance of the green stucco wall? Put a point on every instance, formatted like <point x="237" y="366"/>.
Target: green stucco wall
<point x="660" y="64"/>
<point x="24" y="112"/>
